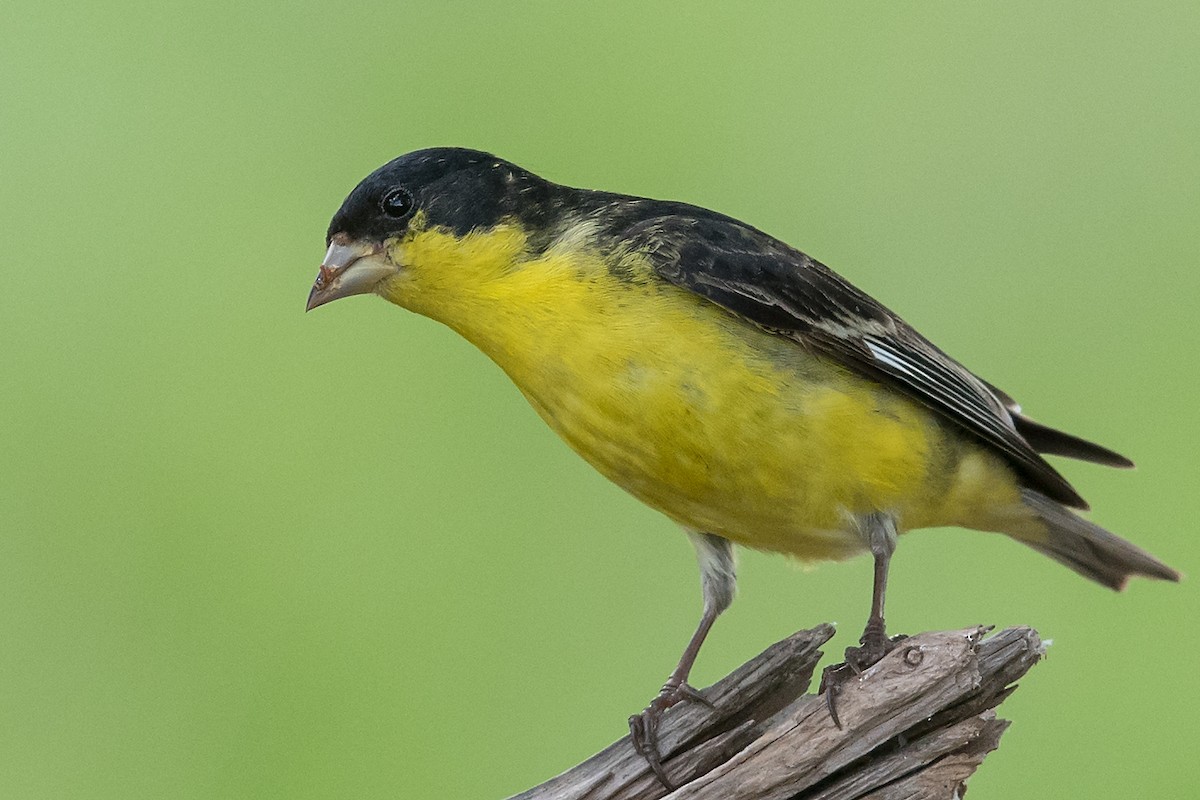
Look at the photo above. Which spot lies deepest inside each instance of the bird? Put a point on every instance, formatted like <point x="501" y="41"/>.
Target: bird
<point x="719" y="375"/>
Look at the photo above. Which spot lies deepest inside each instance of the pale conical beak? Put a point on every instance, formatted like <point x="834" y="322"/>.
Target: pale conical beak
<point x="350" y="267"/>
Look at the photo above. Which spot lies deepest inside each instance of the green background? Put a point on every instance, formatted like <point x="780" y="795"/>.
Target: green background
<point x="250" y="553"/>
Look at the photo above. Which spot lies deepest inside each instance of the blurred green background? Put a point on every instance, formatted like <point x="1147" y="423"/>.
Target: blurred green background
<point x="248" y="552"/>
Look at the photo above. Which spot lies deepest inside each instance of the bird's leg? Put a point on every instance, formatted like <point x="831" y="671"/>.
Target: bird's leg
<point x="643" y="727"/>
<point x="875" y="642"/>
<point x="718" y="580"/>
<point x="880" y="533"/>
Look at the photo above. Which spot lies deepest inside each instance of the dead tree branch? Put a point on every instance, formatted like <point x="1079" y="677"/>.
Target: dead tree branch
<point x="914" y="726"/>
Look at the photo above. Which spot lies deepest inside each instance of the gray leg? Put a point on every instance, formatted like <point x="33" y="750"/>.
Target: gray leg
<point x="879" y="532"/>
<point x="718" y="582"/>
<point x="718" y="570"/>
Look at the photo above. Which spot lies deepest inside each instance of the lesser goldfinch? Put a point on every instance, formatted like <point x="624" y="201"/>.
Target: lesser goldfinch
<point x="719" y="375"/>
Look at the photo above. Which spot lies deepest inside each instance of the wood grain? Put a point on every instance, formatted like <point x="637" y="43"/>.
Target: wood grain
<point x="914" y="726"/>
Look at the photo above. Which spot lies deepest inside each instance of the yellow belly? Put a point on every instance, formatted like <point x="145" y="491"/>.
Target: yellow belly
<point x="721" y="426"/>
<point x="721" y="439"/>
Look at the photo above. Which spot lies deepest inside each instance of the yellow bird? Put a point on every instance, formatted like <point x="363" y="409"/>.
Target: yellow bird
<point x="719" y="375"/>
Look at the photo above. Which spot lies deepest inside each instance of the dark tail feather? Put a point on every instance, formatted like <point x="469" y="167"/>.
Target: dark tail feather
<point x="1087" y="548"/>
<point x="1045" y="439"/>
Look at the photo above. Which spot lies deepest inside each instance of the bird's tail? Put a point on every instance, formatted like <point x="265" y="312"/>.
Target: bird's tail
<point x="1086" y="547"/>
<point x="1045" y="439"/>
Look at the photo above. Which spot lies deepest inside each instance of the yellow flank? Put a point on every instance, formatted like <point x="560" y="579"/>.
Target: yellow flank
<point x="722" y="426"/>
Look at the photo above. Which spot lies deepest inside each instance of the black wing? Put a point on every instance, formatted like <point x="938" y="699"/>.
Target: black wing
<point x="781" y="289"/>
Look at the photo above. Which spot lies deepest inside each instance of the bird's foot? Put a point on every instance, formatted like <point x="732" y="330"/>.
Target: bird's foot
<point x="874" y="645"/>
<point x="643" y="727"/>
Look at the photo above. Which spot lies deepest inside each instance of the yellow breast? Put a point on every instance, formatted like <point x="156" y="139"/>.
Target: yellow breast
<point x="723" y="427"/>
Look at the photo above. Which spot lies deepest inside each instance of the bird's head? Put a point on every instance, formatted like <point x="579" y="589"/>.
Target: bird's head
<point x="412" y="228"/>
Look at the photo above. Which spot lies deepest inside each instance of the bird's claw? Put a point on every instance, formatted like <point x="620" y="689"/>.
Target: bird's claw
<point x="688" y="692"/>
<point x="643" y="727"/>
<point x="832" y="679"/>
<point x="874" y="645"/>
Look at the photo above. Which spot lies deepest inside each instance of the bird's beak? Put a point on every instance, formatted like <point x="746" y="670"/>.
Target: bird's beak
<point x="350" y="267"/>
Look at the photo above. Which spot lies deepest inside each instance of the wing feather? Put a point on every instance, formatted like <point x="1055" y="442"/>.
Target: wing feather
<point x="785" y="291"/>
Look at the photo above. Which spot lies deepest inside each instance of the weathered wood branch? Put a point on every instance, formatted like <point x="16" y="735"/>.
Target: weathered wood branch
<point x="914" y="726"/>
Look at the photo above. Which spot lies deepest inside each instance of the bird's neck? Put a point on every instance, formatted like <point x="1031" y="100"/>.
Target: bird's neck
<point x="508" y="298"/>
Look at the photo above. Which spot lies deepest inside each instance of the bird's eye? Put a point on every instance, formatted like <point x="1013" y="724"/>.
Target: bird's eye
<point x="396" y="203"/>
